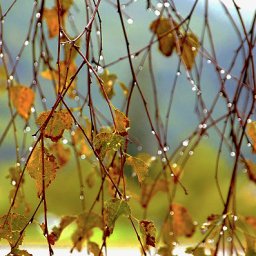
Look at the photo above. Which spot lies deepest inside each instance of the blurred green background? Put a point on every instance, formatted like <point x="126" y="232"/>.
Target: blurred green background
<point x="198" y="177"/>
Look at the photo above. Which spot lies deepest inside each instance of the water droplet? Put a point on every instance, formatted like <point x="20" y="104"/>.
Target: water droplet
<point x="205" y="111"/>
<point x="26" y="43"/>
<point x="204" y="126"/>
<point x="64" y="141"/>
<point x="81" y="197"/>
<point x="11" y="77"/>
<point x="210" y="241"/>
<point x="139" y="148"/>
<point x="13" y="182"/>
<point x="27" y="129"/>
<point x="39" y="24"/>
<point x="172" y="213"/>
<point x="1" y="55"/>
<point x="159" y="152"/>
<point x="38" y="15"/>
<point x="23" y="159"/>
<point x="30" y="149"/>
<point x="193" y="48"/>
<point x="44" y="100"/>
<point x="166" y="4"/>
<point x="232" y="154"/>
<point x="157" y="13"/>
<point x="2" y="20"/>
<point x="224" y="228"/>
<point x="130" y="21"/>
<point x="181" y="153"/>
<point x="222" y="71"/>
<point x="17" y="57"/>
<point x="235" y="218"/>
<point x="249" y="144"/>
<point x="163" y="159"/>
<point x="159" y="5"/>
<point x="17" y="164"/>
<point x="229" y="239"/>
<point x="191" y="153"/>
<point x="153" y="158"/>
<point x="32" y="109"/>
<point x="229" y="105"/>
<point x="174" y="165"/>
<point x="185" y="143"/>
<point x="153" y="132"/>
<point x="98" y="32"/>
<point x="140" y="68"/>
<point x="249" y="121"/>
<point x="101" y="57"/>
<point x="35" y="64"/>
<point x="178" y="73"/>
<point x="166" y="148"/>
<point x="209" y="61"/>
<point x="83" y="156"/>
<point x="228" y="76"/>
<point x="77" y="98"/>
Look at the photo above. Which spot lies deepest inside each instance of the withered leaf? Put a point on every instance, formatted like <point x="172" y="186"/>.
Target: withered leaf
<point x="148" y="231"/>
<point x="189" y="45"/>
<point x="22" y="98"/>
<point x="113" y="209"/>
<point x="108" y="83"/>
<point x="94" y="249"/>
<point x="85" y="224"/>
<point x="57" y="230"/>
<point x="182" y="221"/>
<point x="199" y="251"/>
<point x="251" y="169"/>
<point x="251" y="131"/>
<point x="122" y="122"/>
<point x="59" y="121"/>
<point x="18" y="252"/>
<point x="51" y="17"/>
<point x="105" y="141"/>
<point x="139" y="166"/>
<point x="61" y="153"/>
<point x="166" y="40"/>
<point x="35" y="168"/>
<point x="3" y="79"/>
<point x="11" y="230"/>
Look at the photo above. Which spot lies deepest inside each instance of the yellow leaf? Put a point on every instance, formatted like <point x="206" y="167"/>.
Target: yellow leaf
<point x="108" y="83"/>
<point x="51" y="17"/>
<point x="35" y="168"/>
<point x="139" y="166"/>
<point x="22" y="98"/>
<point x="3" y="78"/>
<point x="59" y="121"/>
<point x="121" y="122"/>
<point x="94" y="249"/>
<point x="189" y="48"/>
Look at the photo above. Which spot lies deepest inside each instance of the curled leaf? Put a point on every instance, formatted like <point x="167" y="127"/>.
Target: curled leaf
<point x="35" y="168"/>
<point x="148" y="231"/>
<point x="122" y="122"/>
<point x="22" y="98"/>
<point x="58" y="122"/>
<point x="94" y="249"/>
<point x="166" y="40"/>
<point x="109" y="81"/>
<point x="139" y="166"/>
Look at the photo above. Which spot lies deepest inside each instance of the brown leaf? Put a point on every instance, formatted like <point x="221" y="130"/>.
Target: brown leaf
<point x="51" y="17"/>
<point x="251" y="131"/>
<point x="166" y="40"/>
<point x="61" y="153"/>
<point x="148" y="231"/>
<point x="94" y="249"/>
<point x="35" y="168"/>
<point x="122" y="122"/>
<point x="22" y="98"/>
<point x="251" y="169"/>
<point x="189" y="45"/>
<point x="59" y="121"/>
<point x="182" y="222"/>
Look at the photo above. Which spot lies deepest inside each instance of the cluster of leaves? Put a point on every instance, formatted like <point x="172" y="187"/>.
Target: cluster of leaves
<point x="105" y="141"/>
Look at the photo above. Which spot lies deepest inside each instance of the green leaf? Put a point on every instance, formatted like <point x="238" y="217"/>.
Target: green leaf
<point x="148" y="231"/>
<point x="57" y="230"/>
<point x="113" y="209"/>
<point x="85" y="224"/>
<point x="139" y="166"/>
<point x="58" y="122"/>
<point x="18" y="252"/>
<point x="11" y="230"/>
<point x="105" y="141"/>
<point x="35" y="168"/>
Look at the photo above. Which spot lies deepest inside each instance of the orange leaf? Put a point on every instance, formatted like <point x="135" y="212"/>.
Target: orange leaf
<point x="22" y="98"/>
<point x="59" y="121"/>
<point x="251" y="169"/>
<point x="182" y="222"/>
<point x="62" y="153"/>
<point x="51" y="17"/>
<point x="251" y="131"/>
